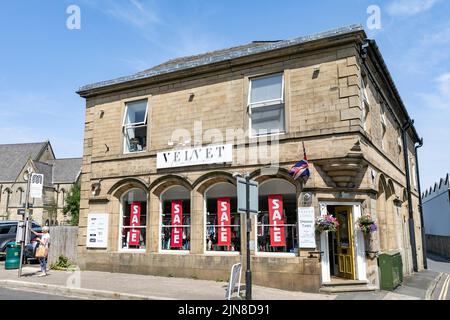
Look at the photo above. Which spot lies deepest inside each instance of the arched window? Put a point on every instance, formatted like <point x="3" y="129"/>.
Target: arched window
<point x="19" y="196"/>
<point x="277" y="222"/>
<point x="223" y="223"/>
<point x="175" y="232"/>
<point x="134" y="220"/>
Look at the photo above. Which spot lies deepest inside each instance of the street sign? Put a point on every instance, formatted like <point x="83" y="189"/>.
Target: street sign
<point x="242" y="195"/>
<point x="20" y="231"/>
<point x="36" y="185"/>
<point x="235" y="279"/>
<point x="21" y="212"/>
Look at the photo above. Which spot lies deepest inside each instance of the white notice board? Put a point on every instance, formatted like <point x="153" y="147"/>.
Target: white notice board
<point x="97" y="230"/>
<point x="306" y="228"/>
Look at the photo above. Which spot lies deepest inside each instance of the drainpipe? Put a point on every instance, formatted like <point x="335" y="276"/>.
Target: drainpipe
<point x="424" y="243"/>
<point x="412" y="235"/>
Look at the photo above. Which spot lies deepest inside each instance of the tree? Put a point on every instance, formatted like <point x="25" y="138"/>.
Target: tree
<point x="72" y="205"/>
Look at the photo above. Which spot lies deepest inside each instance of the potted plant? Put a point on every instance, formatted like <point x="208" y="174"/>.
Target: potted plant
<point x="327" y="223"/>
<point x="367" y="224"/>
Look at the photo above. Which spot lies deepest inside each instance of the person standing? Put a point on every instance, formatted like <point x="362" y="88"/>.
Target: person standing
<point x="44" y="241"/>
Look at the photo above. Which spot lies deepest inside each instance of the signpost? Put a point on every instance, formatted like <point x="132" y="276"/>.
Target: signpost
<point x="247" y="193"/>
<point x="35" y="184"/>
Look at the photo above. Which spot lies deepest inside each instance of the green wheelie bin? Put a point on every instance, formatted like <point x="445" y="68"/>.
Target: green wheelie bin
<point x="12" y="256"/>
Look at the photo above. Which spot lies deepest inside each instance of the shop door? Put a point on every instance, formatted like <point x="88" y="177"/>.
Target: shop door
<point x="345" y="250"/>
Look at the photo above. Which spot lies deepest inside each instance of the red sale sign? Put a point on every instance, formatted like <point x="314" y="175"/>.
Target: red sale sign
<point x="135" y="215"/>
<point x="276" y="221"/>
<point x="135" y="221"/>
<point x="176" y="240"/>
<point x="223" y="216"/>
<point x="134" y="235"/>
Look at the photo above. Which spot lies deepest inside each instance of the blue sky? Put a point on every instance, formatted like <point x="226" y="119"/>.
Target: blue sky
<point x="43" y="63"/>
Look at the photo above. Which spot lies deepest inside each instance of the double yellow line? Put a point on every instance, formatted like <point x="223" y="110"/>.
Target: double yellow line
<point x="444" y="290"/>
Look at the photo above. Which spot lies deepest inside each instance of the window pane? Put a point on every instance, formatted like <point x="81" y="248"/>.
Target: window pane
<point x="167" y="226"/>
<point x="131" y="197"/>
<point x="136" y="138"/>
<point x="136" y="112"/>
<point x="266" y="120"/>
<point x="267" y="88"/>
<point x="213" y="225"/>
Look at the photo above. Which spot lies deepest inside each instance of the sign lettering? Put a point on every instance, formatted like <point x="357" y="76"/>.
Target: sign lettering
<point x="195" y="156"/>
<point x="135" y="221"/>
<point x="224" y="229"/>
<point x="177" y="215"/>
<point x="276" y="221"/>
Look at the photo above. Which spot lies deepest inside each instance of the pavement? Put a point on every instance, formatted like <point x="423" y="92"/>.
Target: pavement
<point x="105" y="285"/>
<point x="426" y="285"/>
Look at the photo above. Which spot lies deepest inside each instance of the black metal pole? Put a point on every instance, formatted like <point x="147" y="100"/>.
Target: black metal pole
<point x="424" y="243"/>
<point x="25" y="227"/>
<point x="248" y="274"/>
<point x="412" y="235"/>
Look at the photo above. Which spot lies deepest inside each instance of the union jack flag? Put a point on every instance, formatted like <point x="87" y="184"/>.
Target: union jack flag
<point x="300" y="170"/>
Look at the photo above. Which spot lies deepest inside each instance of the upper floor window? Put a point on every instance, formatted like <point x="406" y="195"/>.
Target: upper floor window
<point x="266" y="105"/>
<point x="135" y="126"/>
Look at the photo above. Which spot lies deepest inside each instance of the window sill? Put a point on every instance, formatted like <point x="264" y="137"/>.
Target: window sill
<point x="275" y="254"/>
<point x="175" y="252"/>
<point x="266" y="135"/>
<point x="222" y="253"/>
<point x="132" y="250"/>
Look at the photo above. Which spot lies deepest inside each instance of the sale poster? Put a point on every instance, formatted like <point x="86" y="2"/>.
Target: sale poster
<point x="276" y="221"/>
<point x="176" y="240"/>
<point x="224" y="217"/>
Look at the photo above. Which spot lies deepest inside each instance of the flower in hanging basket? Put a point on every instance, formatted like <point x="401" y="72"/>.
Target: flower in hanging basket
<point x="327" y="223"/>
<point x="366" y="224"/>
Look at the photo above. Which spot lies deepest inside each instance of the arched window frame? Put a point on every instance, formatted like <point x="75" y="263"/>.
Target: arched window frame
<point x="205" y="212"/>
<point x="255" y="224"/>
<point x="121" y="226"/>
<point x="183" y="226"/>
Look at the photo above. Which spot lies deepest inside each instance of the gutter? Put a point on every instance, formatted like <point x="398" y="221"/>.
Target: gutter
<point x="424" y="251"/>
<point x="412" y="235"/>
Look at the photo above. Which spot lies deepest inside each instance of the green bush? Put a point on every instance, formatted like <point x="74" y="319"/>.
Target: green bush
<point x="63" y="263"/>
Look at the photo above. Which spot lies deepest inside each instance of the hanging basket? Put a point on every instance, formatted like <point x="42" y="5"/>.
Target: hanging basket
<point x="327" y="223"/>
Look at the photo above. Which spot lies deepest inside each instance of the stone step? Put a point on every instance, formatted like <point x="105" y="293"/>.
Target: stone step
<point x="348" y="288"/>
<point x="344" y="282"/>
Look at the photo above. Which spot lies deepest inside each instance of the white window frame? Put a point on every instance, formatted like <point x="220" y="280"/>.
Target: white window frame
<point x="121" y="226"/>
<point x="265" y="103"/>
<point x="125" y="127"/>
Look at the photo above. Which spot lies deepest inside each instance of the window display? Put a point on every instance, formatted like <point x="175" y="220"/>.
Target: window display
<point x="223" y="223"/>
<point x="134" y="219"/>
<point x="176" y="219"/>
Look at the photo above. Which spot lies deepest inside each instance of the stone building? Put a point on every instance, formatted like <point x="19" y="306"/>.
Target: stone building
<point x="436" y="212"/>
<point x="59" y="177"/>
<point x="157" y="144"/>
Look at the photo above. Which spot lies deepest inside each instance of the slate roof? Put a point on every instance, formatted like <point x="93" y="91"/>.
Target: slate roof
<point x="66" y="170"/>
<point x="13" y="158"/>
<point x="221" y="55"/>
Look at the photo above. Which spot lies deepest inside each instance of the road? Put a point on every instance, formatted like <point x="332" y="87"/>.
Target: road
<point x="6" y="294"/>
<point x="439" y="264"/>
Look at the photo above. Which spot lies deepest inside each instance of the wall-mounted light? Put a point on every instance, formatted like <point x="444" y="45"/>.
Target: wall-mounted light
<point x="101" y="113"/>
<point x="191" y="97"/>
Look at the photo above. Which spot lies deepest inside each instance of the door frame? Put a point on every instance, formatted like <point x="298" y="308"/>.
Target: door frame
<point x="358" y="242"/>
